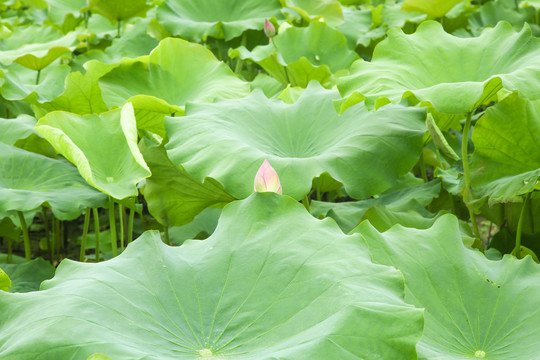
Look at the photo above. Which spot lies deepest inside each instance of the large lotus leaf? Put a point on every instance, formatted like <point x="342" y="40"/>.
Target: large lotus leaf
<point x="453" y="74"/>
<point x="229" y="140"/>
<point x="28" y="180"/>
<point x="175" y="72"/>
<point x="58" y="10"/>
<point x="201" y="227"/>
<point x="492" y="12"/>
<point x="349" y="214"/>
<point x="272" y="282"/>
<point x="82" y="96"/>
<point x="104" y="148"/>
<point x="436" y="8"/>
<point x="29" y="275"/>
<point x="21" y="83"/>
<point x="118" y="10"/>
<point x="197" y="19"/>
<point x="174" y="197"/>
<point x="5" y="282"/>
<point x="329" y="10"/>
<point x="35" y="47"/>
<point x="474" y="307"/>
<point x="506" y="159"/>
<point x="298" y="55"/>
<point x="20" y="127"/>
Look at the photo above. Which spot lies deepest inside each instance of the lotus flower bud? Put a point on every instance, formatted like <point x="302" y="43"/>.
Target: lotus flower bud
<point x="267" y="179"/>
<point x="269" y="29"/>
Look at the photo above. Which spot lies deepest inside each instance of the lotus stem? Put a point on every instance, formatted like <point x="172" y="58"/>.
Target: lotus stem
<point x="10" y="251"/>
<point x="26" y="237"/>
<point x="118" y="28"/>
<point x="96" y="231"/>
<point x="423" y="167"/>
<point x="85" y="233"/>
<point x="166" y="234"/>
<point x="305" y="202"/>
<point x="130" y="225"/>
<point x="121" y="217"/>
<point x="517" y="249"/>
<point x="47" y="233"/>
<point x="467" y="197"/>
<point x="112" y="227"/>
<point x="37" y="76"/>
<point x="240" y="62"/>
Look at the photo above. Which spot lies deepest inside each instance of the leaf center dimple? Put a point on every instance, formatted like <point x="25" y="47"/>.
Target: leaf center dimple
<point x="480" y="354"/>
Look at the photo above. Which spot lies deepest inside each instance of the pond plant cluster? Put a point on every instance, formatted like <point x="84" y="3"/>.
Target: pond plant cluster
<point x="269" y="179"/>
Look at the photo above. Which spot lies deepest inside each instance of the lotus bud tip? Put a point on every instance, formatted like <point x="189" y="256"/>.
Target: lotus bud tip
<point x="269" y="29"/>
<point x="267" y="179"/>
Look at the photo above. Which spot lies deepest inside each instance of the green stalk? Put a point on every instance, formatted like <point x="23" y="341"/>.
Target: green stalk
<point x="118" y="29"/>
<point x="121" y="213"/>
<point x="423" y="167"/>
<point x="85" y="233"/>
<point x="53" y="239"/>
<point x="305" y="202"/>
<point x="37" y="76"/>
<point x="26" y="237"/>
<point x="166" y="234"/>
<point x="318" y="189"/>
<point x="467" y="173"/>
<point x="130" y="225"/>
<point x="531" y="217"/>
<point x="96" y="230"/>
<point x="47" y="233"/>
<point x="10" y="251"/>
<point x="517" y="249"/>
<point x="240" y="62"/>
<point x="112" y="226"/>
<point x="285" y="67"/>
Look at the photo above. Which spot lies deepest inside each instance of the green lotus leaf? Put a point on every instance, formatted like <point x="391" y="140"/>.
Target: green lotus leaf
<point x="175" y="72"/>
<point x="5" y="282"/>
<point x="201" y="227"/>
<point x="299" y="55"/>
<point x="35" y="47"/>
<point x="195" y="20"/>
<point x="394" y="15"/>
<point x="20" y="127"/>
<point x="59" y="10"/>
<point x="491" y="13"/>
<point x="29" y="275"/>
<point x="474" y="307"/>
<point x="261" y="287"/>
<point x="174" y="197"/>
<point x="348" y="214"/>
<point x="382" y="218"/>
<point x="436" y="8"/>
<point x="29" y="180"/>
<point x="82" y="96"/>
<point x="329" y="10"/>
<point x="356" y="26"/>
<point x="229" y="140"/>
<point x="104" y="148"/>
<point x="118" y="10"/>
<point x="506" y="160"/>
<point x="454" y="75"/>
<point x="21" y="83"/>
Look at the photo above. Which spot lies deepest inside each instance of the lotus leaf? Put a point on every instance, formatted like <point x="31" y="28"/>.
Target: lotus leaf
<point x="197" y="19"/>
<point x="261" y="287"/>
<point x="12" y="130"/>
<point x="118" y="10"/>
<point x="174" y="197"/>
<point x="329" y="10"/>
<point x="28" y="276"/>
<point x="436" y="8"/>
<point x="300" y="140"/>
<point x="454" y="75"/>
<point x="491" y="13"/>
<point x="175" y="72"/>
<point x="348" y="214"/>
<point x="5" y="282"/>
<point x="506" y="160"/>
<point x="29" y="180"/>
<point x="35" y="47"/>
<point x="21" y="83"/>
<point x="299" y="55"/>
<point x="104" y="148"/>
<point x="201" y="227"/>
<point x="474" y="307"/>
<point x="59" y="10"/>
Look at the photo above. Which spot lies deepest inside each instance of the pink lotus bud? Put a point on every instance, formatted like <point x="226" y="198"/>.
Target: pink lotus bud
<point x="267" y="179"/>
<point x="269" y="29"/>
